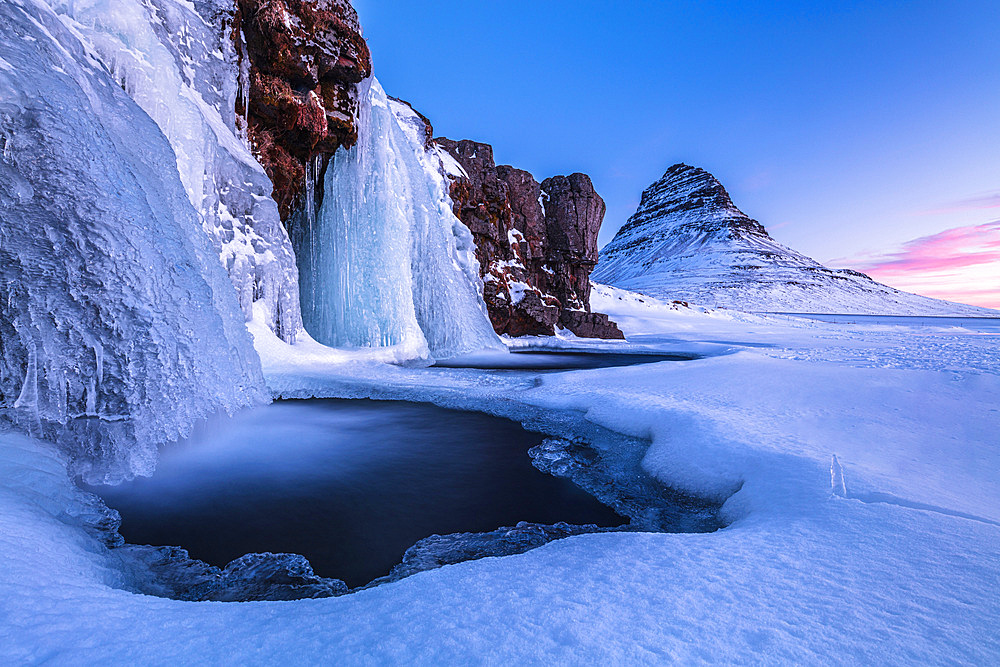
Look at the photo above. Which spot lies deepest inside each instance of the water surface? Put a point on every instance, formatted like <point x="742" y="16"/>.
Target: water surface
<point x="560" y="360"/>
<point x="350" y="484"/>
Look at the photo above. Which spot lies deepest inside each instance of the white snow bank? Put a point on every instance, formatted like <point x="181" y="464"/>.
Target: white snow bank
<point x="639" y="314"/>
<point x="836" y="580"/>
<point x="307" y="354"/>
<point x="889" y="553"/>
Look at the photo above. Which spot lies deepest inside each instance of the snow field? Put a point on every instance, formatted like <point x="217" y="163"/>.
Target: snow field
<point x="899" y="564"/>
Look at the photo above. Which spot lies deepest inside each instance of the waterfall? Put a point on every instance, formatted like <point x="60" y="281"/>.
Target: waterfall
<point x="387" y="263"/>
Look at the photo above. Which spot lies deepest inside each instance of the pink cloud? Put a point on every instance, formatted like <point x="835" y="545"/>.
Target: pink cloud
<point x="959" y="264"/>
<point x="987" y="298"/>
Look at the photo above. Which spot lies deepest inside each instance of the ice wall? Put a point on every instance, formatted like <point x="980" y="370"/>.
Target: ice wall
<point x="178" y="61"/>
<point x="118" y="325"/>
<point x="385" y="262"/>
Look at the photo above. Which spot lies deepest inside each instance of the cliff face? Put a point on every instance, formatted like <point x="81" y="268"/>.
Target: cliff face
<point x="536" y="243"/>
<point x="300" y="61"/>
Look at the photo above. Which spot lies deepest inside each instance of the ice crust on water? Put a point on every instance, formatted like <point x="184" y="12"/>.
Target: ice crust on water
<point x="118" y="326"/>
<point x="171" y="572"/>
<point x="387" y="263"/>
<point x="178" y="62"/>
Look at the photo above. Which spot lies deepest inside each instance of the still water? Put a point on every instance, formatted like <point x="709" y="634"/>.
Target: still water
<point x="560" y="360"/>
<point x="350" y="484"/>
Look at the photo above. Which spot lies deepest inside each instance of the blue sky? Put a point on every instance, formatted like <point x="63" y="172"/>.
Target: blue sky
<point x="856" y="132"/>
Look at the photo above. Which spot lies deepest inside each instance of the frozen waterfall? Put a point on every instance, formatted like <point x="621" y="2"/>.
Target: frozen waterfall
<point x="118" y="326"/>
<point x="386" y="262"/>
<point x="179" y="62"/>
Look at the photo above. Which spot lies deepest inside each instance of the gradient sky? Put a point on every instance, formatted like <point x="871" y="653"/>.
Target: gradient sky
<point x="864" y="134"/>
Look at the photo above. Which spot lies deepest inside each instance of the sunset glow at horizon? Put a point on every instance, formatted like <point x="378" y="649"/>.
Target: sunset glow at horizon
<point x="961" y="264"/>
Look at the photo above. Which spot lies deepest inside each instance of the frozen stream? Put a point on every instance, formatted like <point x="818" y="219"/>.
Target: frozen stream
<point x="349" y="484"/>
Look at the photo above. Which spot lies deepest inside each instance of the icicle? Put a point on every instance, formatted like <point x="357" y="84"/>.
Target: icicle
<point x="99" y="361"/>
<point x="312" y="174"/>
<point x="243" y="92"/>
<point x="27" y="400"/>
<point x="61" y="389"/>
<point x="92" y="398"/>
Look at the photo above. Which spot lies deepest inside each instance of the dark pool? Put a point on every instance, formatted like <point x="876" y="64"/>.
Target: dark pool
<point x="561" y="360"/>
<point x="350" y="484"/>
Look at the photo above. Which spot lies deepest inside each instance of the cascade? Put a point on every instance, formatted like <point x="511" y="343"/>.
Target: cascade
<point x="119" y="328"/>
<point x="387" y="263"/>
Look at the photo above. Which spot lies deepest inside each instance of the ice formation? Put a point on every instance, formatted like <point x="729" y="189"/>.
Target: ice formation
<point x="386" y="262"/>
<point x="178" y="62"/>
<point x="118" y="326"/>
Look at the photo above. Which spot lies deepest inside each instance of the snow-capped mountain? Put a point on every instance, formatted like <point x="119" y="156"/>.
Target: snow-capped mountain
<point x="688" y="241"/>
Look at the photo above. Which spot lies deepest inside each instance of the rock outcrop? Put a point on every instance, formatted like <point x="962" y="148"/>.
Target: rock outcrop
<point x="536" y="243"/>
<point x="301" y="61"/>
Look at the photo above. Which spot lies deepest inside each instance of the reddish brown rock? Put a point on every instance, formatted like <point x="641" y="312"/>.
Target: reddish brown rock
<point x="535" y="261"/>
<point x="305" y="59"/>
<point x="573" y="216"/>
<point x="589" y="325"/>
<point x="481" y="200"/>
<point x="523" y="193"/>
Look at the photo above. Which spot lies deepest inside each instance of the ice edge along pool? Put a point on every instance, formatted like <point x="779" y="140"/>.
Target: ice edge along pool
<point x="373" y="491"/>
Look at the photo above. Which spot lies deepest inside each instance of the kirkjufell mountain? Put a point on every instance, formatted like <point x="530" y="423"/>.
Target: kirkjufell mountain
<point x="689" y="242"/>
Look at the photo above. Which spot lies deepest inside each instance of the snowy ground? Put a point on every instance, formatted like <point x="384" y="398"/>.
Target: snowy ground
<point x="865" y="516"/>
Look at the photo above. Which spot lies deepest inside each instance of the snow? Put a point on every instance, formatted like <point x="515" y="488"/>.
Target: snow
<point x="307" y="353"/>
<point x="518" y="290"/>
<point x="863" y="510"/>
<point x="449" y="164"/>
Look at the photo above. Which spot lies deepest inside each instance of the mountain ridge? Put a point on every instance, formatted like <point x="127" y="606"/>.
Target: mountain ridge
<point x="687" y="240"/>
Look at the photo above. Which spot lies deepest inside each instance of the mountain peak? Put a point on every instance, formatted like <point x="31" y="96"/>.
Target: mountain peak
<point x="688" y="241"/>
<point x="685" y="187"/>
<point x="686" y="196"/>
